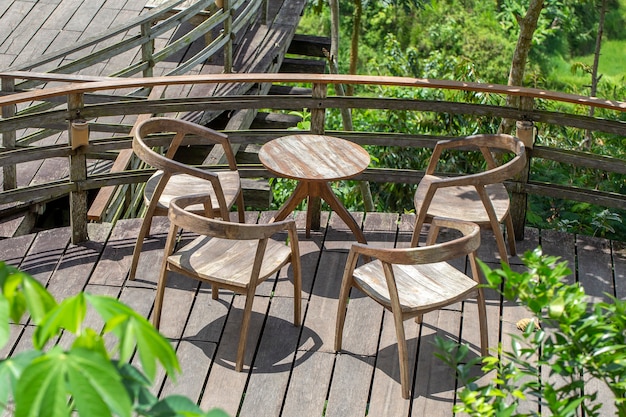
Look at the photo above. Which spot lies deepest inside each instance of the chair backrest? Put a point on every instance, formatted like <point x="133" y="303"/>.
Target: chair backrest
<point x="486" y="143"/>
<point x="466" y="244"/>
<point x="180" y="129"/>
<point x="207" y="226"/>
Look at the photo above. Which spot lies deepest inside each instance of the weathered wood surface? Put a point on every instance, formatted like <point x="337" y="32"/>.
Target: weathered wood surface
<point x="110" y="15"/>
<point x="291" y="371"/>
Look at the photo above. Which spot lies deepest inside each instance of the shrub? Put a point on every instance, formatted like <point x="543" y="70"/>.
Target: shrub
<point x="574" y="338"/>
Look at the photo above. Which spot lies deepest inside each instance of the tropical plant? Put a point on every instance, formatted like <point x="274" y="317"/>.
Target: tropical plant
<point x="87" y="378"/>
<point x="569" y="337"/>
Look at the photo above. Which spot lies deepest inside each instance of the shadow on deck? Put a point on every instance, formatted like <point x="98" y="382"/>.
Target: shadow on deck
<point x="291" y="371"/>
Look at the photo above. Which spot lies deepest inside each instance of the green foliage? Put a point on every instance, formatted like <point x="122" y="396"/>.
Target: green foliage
<point x="87" y="378"/>
<point x="473" y="41"/>
<point x="305" y="120"/>
<point x="575" y="338"/>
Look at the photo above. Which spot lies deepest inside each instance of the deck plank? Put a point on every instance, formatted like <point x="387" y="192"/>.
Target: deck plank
<point x="308" y="386"/>
<point x="77" y="262"/>
<point x="225" y="387"/>
<point x="273" y="362"/>
<point x="386" y="396"/>
<point x="433" y="391"/>
<point x="45" y="253"/>
<point x="112" y="269"/>
<point x="14" y="250"/>
<point x="195" y="358"/>
<point x="595" y="276"/>
<point x="619" y="269"/>
<point x="350" y="385"/>
<point x="288" y="370"/>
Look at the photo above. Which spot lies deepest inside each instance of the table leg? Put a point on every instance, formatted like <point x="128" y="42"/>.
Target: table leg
<point x="299" y="193"/>
<point x="313" y="189"/>
<point x="326" y="193"/>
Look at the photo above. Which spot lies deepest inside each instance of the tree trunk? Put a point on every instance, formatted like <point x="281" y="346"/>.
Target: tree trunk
<point x="528" y="25"/>
<point x="354" y="41"/>
<point x="334" y="28"/>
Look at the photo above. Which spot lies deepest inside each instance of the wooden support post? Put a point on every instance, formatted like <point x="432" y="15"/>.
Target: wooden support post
<point x="318" y="113"/>
<point x="525" y="131"/>
<point x="8" y="138"/>
<point x="228" y="32"/>
<point x="318" y="120"/>
<point x="78" y="172"/>
<point x="147" y="49"/>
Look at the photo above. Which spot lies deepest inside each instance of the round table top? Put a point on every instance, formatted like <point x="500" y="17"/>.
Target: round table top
<point x="314" y="157"/>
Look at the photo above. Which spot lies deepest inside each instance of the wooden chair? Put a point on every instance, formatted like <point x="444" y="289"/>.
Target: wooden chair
<point x="480" y="197"/>
<point x="174" y="178"/>
<point x="229" y="255"/>
<point x="412" y="281"/>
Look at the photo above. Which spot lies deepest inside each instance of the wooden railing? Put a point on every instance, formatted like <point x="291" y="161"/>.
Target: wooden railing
<point x="80" y="180"/>
<point x="141" y="33"/>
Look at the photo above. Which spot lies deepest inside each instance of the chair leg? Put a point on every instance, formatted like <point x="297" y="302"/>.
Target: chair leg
<point x="297" y="292"/>
<point x="403" y="357"/>
<point x="241" y="208"/>
<point x="245" y="324"/>
<point x="510" y="234"/>
<point x="504" y="255"/>
<point x="341" y="318"/>
<point x="143" y="232"/>
<point x="158" y="301"/>
<point x="494" y="223"/>
<point x="482" y="321"/>
<point x="346" y="284"/>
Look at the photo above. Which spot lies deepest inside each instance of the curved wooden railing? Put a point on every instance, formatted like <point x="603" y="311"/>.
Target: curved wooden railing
<point x="140" y="53"/>
<point x="80" y="180"/>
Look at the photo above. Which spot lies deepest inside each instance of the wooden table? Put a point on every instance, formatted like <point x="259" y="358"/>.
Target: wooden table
<point x="314" y="160"/>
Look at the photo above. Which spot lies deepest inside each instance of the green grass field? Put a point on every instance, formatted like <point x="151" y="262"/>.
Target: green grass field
<point x="612" y="67"/>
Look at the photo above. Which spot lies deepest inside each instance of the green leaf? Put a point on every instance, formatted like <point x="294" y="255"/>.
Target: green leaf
<point x="152" y="346"/>
<point x="10" y="371"/>
<point x="5" y="328"/>
<point x="38" y="300"/>
<point x="133" y="329"/>
<point x="556" y="308"/>
<point x="90" y="379"/>
<point x="179" y="406"/>
<point x="137" y="386"/>
<point x="68" y="315"/>
<point x="91" y="340"/>
<point x="11" y="290"/>
<point x="216" y="412"/>
<point x="96" y="385"/>
<point x="41" y="388"/>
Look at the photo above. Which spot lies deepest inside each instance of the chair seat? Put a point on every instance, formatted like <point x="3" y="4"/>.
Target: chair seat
<point x="184" y="184"/>
<point x="463" y="202"/>
<point x="420" y="287"/>
<point x="229" y="261"/>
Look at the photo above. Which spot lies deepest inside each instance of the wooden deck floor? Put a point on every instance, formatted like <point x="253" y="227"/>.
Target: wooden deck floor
<point x="291" y="371"/>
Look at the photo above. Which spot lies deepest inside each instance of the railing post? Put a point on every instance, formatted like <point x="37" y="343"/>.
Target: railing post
<point x="318" y="120"/>
<point x="8" y="138"/>
<point x="78" y="135"/>
<point x="147" y="49"/>
<point x="318" y="113"/>
<point x="228" y="29"/>
<point x="525" y="131"/>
